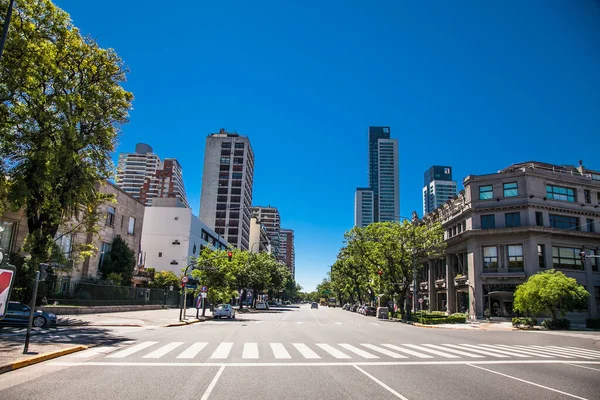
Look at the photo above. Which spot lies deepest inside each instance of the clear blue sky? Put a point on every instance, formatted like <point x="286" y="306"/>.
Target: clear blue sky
<point x="475" y="85"/>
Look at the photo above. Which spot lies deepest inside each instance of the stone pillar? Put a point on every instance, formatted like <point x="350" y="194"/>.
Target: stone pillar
<point x="451" y="292"/>
<point x="431" y="285"/>
<point x="590" y="286"/>
<point x="475" y="284"/>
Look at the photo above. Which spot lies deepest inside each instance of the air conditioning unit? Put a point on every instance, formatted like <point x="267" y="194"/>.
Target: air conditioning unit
<point x="174" y="262"/>
<point x="176" y="242"/>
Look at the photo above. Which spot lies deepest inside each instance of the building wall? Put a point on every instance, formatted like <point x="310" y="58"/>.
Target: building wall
<point x="270" y="218"/>
<point x="376" y="133"/>
<point x="364" y="207"/>
<point x="288" y="251"/>
<point x="389" y="181"/>
<point x="134" y="168"/>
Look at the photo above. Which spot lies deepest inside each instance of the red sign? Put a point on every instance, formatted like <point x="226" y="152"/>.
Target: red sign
<point x="6" y="278"/>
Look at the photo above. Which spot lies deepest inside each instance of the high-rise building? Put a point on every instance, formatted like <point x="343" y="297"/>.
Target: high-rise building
<point x="438" y="187"/>
<point x="227" y="179"/>
<point x="375" y="133"/>
<point x="259" y="237"/>
<point x="364" y="212"/>
<point x="269" y="217"/>
<point x="167" y="182"/>
<point x="287" y="253"/>
<point x="388" y="199"/>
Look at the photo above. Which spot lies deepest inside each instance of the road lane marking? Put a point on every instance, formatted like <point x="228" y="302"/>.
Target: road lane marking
<point x="529" y="382"/>
<point x="521" y="351"/>
<point x="581" y="366"/>
<point x="382" y="351"/>
<point x="283" y="319"/>
<point x="338" y="323"/>
<point x="332" y="350"/>
<point x="279" y="351"/>
<point x="193" y="350"/>
<point x="210" y="387"/>
<point x="305" y="351"/>
<point x="559" y="352"/>
<point x="490" y="350"/>
<point x="258" y="322"/>
<point x="383" y="385"/>
<point x="94" y="351"/>
<point x="358" y="351"/>
<point x="158" y="353"/>
<point x="580" y="349"/>
<point x="534" y="351"/>
<point x="313" y="314"/>
<point x="425" y="349"/>
<point x="250" y="350"/>
<point x="409" y="352"/>
<point x="299" y="322"/>
<point x="459" y="352"/>
<point x="579" y="354"/>
<point x="131" y="350"/>
<point x="223" y="350"/>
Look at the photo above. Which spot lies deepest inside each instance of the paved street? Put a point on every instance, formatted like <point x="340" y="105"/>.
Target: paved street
<point x="301" y="353"/>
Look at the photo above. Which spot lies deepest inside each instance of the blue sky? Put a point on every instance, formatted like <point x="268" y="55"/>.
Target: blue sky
<point x="475" y="85"/>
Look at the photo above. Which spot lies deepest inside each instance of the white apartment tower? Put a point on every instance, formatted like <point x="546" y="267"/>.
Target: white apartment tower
<point x="269" y="217"/>
<point x="438" y="187"/>
<point x="227" y="179"/>
<point x="388" y="180"/>
<point x="364" y="211"/>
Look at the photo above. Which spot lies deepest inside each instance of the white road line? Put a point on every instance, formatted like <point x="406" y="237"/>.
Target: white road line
<point x="579" y="354"/>
<point x="459" y="352"/>
<point x="409" y="352"/>
<point x="332" y="350"/>
<point x="193" y="350"/>
<point x="250" y="350"/>
<point x="580" y="349"/>
<point x="488" y="352"/>
<point x="158" y="353"/>
<point x="383" y="385"/>
<point x="283" y="319"/>
<point x="581" y="366"/>
<point x="559" y="352"/>
<point x="382" y="350"/>
<point x="374" y="323"/>
<point x="305" y="351"/>
<point x="131" y="350"/>
<point x="299" y="322"/>
<point x="210" y="387"/>
<point x="533" y="349"/>
<point x="512" y="349"/>
<point x="529" y="382"/>
<point x="358" y="351"/>
<point x="279" y="351"/>
<point x="313" y="314"/>
<point x="223" y="350"/>
<point x="338" y="323"/>
<point x="258" y="322"/>
<point x="437" y="353"/>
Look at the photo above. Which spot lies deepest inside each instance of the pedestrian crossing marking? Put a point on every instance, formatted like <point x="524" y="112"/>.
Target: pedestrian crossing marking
<point x="358" y="351"/>
<point x="222" y="351"/>
<point x="305" y="351"/>
<point x="333" y="351"/>
<point x="461" y="353"/>
<point x="488" y="352"/>
<point x="513" y="349"/>
<point x="437" y="353"/>
<point x="132" y="350"/>
<point x="589" y="351"/>
<point x="545" y="352"/>
<point x="279" y="351"/>
<point x="407" y="351"/>
<point x="193" y="350"/>
<point x="250" y="350"/>
<point x="552" y="351"/>
<point x="382" y="350"/>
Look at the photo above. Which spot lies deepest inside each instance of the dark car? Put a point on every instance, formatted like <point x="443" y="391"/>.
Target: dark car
<point x="314" y="305"/>
<point x="18" y="314"/>
<point x="369" y="311"/>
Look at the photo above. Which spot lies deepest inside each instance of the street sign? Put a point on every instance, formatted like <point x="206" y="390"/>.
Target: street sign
<point x="203" y="294"/>
<point x="327" y="292"/>
<point x="204" y="289"/>
<point x="199" y="302"/>
<point x="7" y="277"/>
<point x="184" y="279"/>
<point x="421" y="301"/>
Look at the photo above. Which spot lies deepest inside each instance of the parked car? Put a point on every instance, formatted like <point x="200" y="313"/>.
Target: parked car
<point x="314" y="305"/>
<point x="262" y="306"/>
<point x="370" y="311"/>
<point x="224" y="310"/>
<point x="354" y="307"/>
<point x="288" y="303"/>
<point x="18" y="314"/>
<point x="271" y="304"/>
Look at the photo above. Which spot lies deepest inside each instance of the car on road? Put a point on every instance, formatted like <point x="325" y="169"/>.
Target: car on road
<point x="314" y="305"/>
<point x="224" y="310"/>
<point x="262" y="306"/>
<point x="18" y="314"/>
<point x="272" y="304"/>
<point x="369" y="311"/>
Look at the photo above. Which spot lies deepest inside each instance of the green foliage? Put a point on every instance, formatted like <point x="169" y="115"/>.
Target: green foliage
<point x="519" y="322"/>
<point x="61" y="107"/>
<point x="115" y="278"/>
<point x="163" y="279"/>
<point x="435" y="318"/>
<point x="557" y="324"/>
<point x="550" y="291"/>
<point x="120" y="260"/>
<point x="592" y="323"/>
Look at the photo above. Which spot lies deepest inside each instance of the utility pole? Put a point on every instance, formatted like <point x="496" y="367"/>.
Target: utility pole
<point x="5" y="28"/>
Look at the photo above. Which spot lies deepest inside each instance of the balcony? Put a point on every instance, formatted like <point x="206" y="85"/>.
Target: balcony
<point x="440" y="283"/>
<point x="461" y="280"/>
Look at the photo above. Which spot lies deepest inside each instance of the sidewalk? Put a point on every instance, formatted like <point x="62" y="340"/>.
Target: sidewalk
<point x="469" y="325"/>
<point x="144" y="318"/>
<point x="12" y="357"/>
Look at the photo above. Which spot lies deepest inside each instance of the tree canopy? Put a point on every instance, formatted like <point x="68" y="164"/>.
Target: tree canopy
<point x="119" y="261"/>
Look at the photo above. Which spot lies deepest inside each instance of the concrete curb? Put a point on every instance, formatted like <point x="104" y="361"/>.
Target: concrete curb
<point x="135" y="325"/>
<point x="39" y="358"/>
<point x="182" y="323"/>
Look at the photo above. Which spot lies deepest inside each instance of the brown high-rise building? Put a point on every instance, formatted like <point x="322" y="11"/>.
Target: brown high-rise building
<point x="287" y="253"/>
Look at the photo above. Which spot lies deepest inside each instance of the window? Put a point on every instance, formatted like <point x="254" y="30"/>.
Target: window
<point x="160" y="254"/>
<point x="488" y="221"/>
<point x="224" y="168"/>
<point x="541" y="256"/>
<point x="110" y="216"/>
<point x="560" y="193"/>
<point x="587" y="196"/>
<point x="511" y="189"/>
<point x="490" y="257"/>
<point x="236" y="175"/>
<point x="6" y="235"/>
<point x="485" y="192"/>
<point x="225" y="160"/>
<point x="239" y="145"/>
<point x="131" y="226"/>
<point x="226" y="145"/>
<point x="539" y="218"/>
<point x="594" y="260"/>
<point x="238" y="160"/>
<point x="512" y="220"/>
<point x="590" y="225"/>
<point x="566" y="258"/>
<point x="515" y="257"/>
<point x="564" y="222"/>
<point x="222" y="191"/>
<point x="104" y="249"/>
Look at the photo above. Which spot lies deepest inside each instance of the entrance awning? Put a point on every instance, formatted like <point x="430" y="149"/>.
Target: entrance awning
<point x="501" y="295"/>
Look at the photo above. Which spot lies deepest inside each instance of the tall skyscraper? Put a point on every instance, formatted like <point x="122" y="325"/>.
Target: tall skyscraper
<point x="438" y="187"/>
<point x="287" y="253"/>
<point x="388" y="180"/>
<point x="364" y="211"/>
<point x="144" y="176"/>
<point x="269" y="217"/>
<point x="227" y="179"/>
<point x="375" y="134"/>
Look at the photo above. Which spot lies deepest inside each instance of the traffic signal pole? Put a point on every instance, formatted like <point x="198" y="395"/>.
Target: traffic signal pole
<point x="31" y="312"/>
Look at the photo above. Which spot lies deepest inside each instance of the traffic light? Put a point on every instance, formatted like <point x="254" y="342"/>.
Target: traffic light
<point x="229" y="255"/>
<point x="582" y="256"/>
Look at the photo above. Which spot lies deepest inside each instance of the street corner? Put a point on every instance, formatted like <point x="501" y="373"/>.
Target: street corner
<point x="186" y="322"/>
<point x="21" y="363"/>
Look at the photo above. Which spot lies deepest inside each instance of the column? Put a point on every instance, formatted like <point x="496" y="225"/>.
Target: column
<point x="431" y="285"/>
<point x="450" y="291"/>
<point x="590" y="286"/>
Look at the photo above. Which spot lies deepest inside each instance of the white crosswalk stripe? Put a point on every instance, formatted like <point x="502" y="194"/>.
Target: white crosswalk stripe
<point x="193" y="350"/>
<point x="459" y="352"/>
<point x="487" y="350"/>
<point x="535" y="351"/>
<point x="305" y="351"/>
<point x="163" y="350"/>
<point x="557" y="352"/>
<point x="580" y="349"/>
<point x="407" y="351"/>
<point x="279" y="351"/>
<point x="356" y="350"/>
<point x="132" y="350"/>
<point x="437" y="353"/>
<point x="222" y="351"/>
<point x="250" y="350"/>
<point x="333" y="351"/>
<point x="383" y="351"/>
<point x="512" y="349"/>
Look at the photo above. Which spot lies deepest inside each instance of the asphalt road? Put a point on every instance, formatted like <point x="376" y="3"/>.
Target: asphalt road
<point x="302" y="353"/>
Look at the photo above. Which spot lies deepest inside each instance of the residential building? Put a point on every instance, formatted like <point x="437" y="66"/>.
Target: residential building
<point x="269" y="217"/>
<point x="364" y="207"/>
<point x="375" y="134"/>
<point x="287" y="252"/>
<point x="166" y="182"/>
<point x="507" y="226"/>
<point x="388" y="187"/>
<point x="259" y="237"/>
<point x="172" y="234"/>
<point x="438" y="187"/>
<point x="227" y="180"/>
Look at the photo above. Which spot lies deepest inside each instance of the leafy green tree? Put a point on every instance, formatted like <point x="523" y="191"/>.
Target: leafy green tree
<point x="120" y="260"/>
<point x="163" y="279"/>
<point x="61" y="107"/>
<point x="550" y="291"/>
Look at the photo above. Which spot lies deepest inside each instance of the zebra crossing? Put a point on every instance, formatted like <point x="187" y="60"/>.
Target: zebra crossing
<point x="253" y="351"/>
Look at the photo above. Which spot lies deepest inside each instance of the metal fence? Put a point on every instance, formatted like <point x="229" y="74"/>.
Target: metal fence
<point x="90" y="294"/>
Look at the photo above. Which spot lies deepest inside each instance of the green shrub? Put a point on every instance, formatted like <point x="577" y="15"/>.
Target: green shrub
<point x="557" y="324"/>
<point x="592" y="323"/>
<point x="430" y="319"/>
<point x="519" y="322"/>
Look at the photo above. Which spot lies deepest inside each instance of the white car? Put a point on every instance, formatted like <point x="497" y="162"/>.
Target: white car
<point x="261" y="306"/>
<point x="224" y="310"/>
